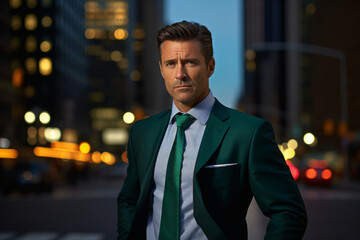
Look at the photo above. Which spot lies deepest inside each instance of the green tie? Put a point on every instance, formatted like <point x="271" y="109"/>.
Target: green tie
<point x="170" y="215"/>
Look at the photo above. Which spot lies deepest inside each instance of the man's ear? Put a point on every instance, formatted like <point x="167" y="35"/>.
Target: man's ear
<point x="211" y="67"/>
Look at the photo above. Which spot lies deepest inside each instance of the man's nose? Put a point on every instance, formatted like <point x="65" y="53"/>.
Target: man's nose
<point x="180" y="72"/>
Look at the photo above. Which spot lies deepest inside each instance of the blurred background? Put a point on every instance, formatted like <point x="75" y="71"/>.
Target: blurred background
<point x="75" y="74"/>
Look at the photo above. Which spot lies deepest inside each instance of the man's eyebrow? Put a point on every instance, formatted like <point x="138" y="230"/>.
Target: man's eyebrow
<point x="191" y="59"/>
<point x="182" y="60"/>
<point x="169" y="60"/>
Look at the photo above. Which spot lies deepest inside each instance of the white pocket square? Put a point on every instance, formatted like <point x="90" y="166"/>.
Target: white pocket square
<point x="221" y="165"/>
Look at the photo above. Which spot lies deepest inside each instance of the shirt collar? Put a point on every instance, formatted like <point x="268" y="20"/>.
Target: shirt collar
<point x="201" y="111"/>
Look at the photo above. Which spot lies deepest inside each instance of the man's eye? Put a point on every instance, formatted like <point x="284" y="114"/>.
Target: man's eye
<point x="169" y="64"/>
<point x="190" y="62"/>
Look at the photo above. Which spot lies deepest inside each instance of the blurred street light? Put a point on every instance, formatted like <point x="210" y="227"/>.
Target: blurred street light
<point x="289" y="153"/>
<point x="52" y="134"/>
<point x="9" y="153"/>
<point x="44" y="117"/>
<point x="84" y="147"/>
<point x="96" y="157"/>
<point x="29" y="117"/>
<point x="124" y="157"/>
<point x="108" y="158"/>
<point x="4" y="143"/>
<point x="292" y="143"/>
<point x="115" y="136"/>
<point x="309" y="138"/>
<point x="129" y="117"/>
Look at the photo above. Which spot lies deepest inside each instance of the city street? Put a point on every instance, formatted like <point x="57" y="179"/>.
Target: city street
<point x="332" y="214"/>
<point x="89" y="212"/>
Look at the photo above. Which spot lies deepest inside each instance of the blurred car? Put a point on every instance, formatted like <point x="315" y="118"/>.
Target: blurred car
<point x="317" y="171"/>
<point x="32" y="177"/>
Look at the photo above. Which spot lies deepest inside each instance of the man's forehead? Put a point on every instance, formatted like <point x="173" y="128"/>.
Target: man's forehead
<point x="186" y="47"/>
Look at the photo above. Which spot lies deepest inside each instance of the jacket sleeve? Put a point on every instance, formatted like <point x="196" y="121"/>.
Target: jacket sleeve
<point x="129" y="194"/>
<point x="274" y="188"/>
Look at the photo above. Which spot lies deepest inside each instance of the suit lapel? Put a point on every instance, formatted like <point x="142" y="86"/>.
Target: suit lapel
<point x="153" y="141"/>
<point x="214" y="133"/>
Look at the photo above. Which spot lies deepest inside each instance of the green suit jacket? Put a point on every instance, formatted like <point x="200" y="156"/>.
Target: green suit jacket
<point x="221" y="195"/>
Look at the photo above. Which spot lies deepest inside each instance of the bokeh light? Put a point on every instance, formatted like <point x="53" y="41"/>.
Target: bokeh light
<point x="124" y="157"/>
<point x="108" y="158"/>
<point x="121" y="34"/>
<point x="326" y="174"/>
<point x="44" y="117"/>
<point x="309" y="138"/>
<point x="30" y="22"/>
<point x="45" y="46"/>
<point x="292" y="143"/>
<point x="45" y="66"/>
<point x="129" y="117"/>
<point x="96" y="157"/>
<point x="52" y="134"/>
<point x="46" y="21"/>
<point x="289" y="153"/>
<point x="310" y="173"/>
<point x="29" y="117"/>
<point x="30" y="65"/>
<point x="84" y="147"/>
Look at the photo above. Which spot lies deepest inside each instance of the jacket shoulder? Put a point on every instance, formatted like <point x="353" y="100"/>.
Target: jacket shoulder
<point x="237" y="118"/>
<point x="245" y="118"/>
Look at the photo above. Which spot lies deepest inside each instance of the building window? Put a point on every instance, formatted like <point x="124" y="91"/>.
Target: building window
<point x="31" y="22"/>
<point x="15" y="3"/>
<point x="30" y="44"/>
<point x="45" y="46"/>
<point x="45" y="66"/>
<point x="31" y="3"/>
<point x="30" y="65"/>
<point x="16" y="22"/>
<point x="46" y="21"/>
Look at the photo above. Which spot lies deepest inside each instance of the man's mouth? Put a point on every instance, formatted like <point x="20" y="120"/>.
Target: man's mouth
<point x="183" y="87"/>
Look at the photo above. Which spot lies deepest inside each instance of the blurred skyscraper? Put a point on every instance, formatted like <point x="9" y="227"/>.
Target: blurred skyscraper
<point x="123" y="73"/>
<point x="7" y="92"/>
<point x="267" y="75"/>
<point x="147" y="17"/>
<point x="122" y="49"/>
<point x="48" y="65"/>
<point x="301" y="71"/>
<point x="83" y="64"/>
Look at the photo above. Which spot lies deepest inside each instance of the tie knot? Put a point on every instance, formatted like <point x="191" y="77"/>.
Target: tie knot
<point x="184" y="121"/>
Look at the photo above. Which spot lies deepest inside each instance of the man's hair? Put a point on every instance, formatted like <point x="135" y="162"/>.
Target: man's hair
<point x="184" y="31"/>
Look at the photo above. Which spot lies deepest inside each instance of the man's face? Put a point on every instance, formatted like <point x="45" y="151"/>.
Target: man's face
<point x="185" y="72"/>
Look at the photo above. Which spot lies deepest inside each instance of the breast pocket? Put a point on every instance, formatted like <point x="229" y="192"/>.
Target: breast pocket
<point x="222" y="169"/>
<point x="220" y="187"/>
<point x="220" y="183"/>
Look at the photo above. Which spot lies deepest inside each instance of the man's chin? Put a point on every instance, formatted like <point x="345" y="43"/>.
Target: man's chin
<point x="184" y="98"/>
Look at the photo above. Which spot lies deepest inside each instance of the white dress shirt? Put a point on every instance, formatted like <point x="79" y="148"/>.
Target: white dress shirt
<point x="189" y="229"/>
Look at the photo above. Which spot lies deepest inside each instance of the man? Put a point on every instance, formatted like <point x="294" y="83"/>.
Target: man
<point x="226" y="157"/>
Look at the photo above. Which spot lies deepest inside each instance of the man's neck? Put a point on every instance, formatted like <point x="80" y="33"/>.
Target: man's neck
<point x="184" y="107"/>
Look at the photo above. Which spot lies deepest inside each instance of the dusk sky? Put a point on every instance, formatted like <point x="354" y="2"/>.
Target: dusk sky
<point x="224" y="22"/>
